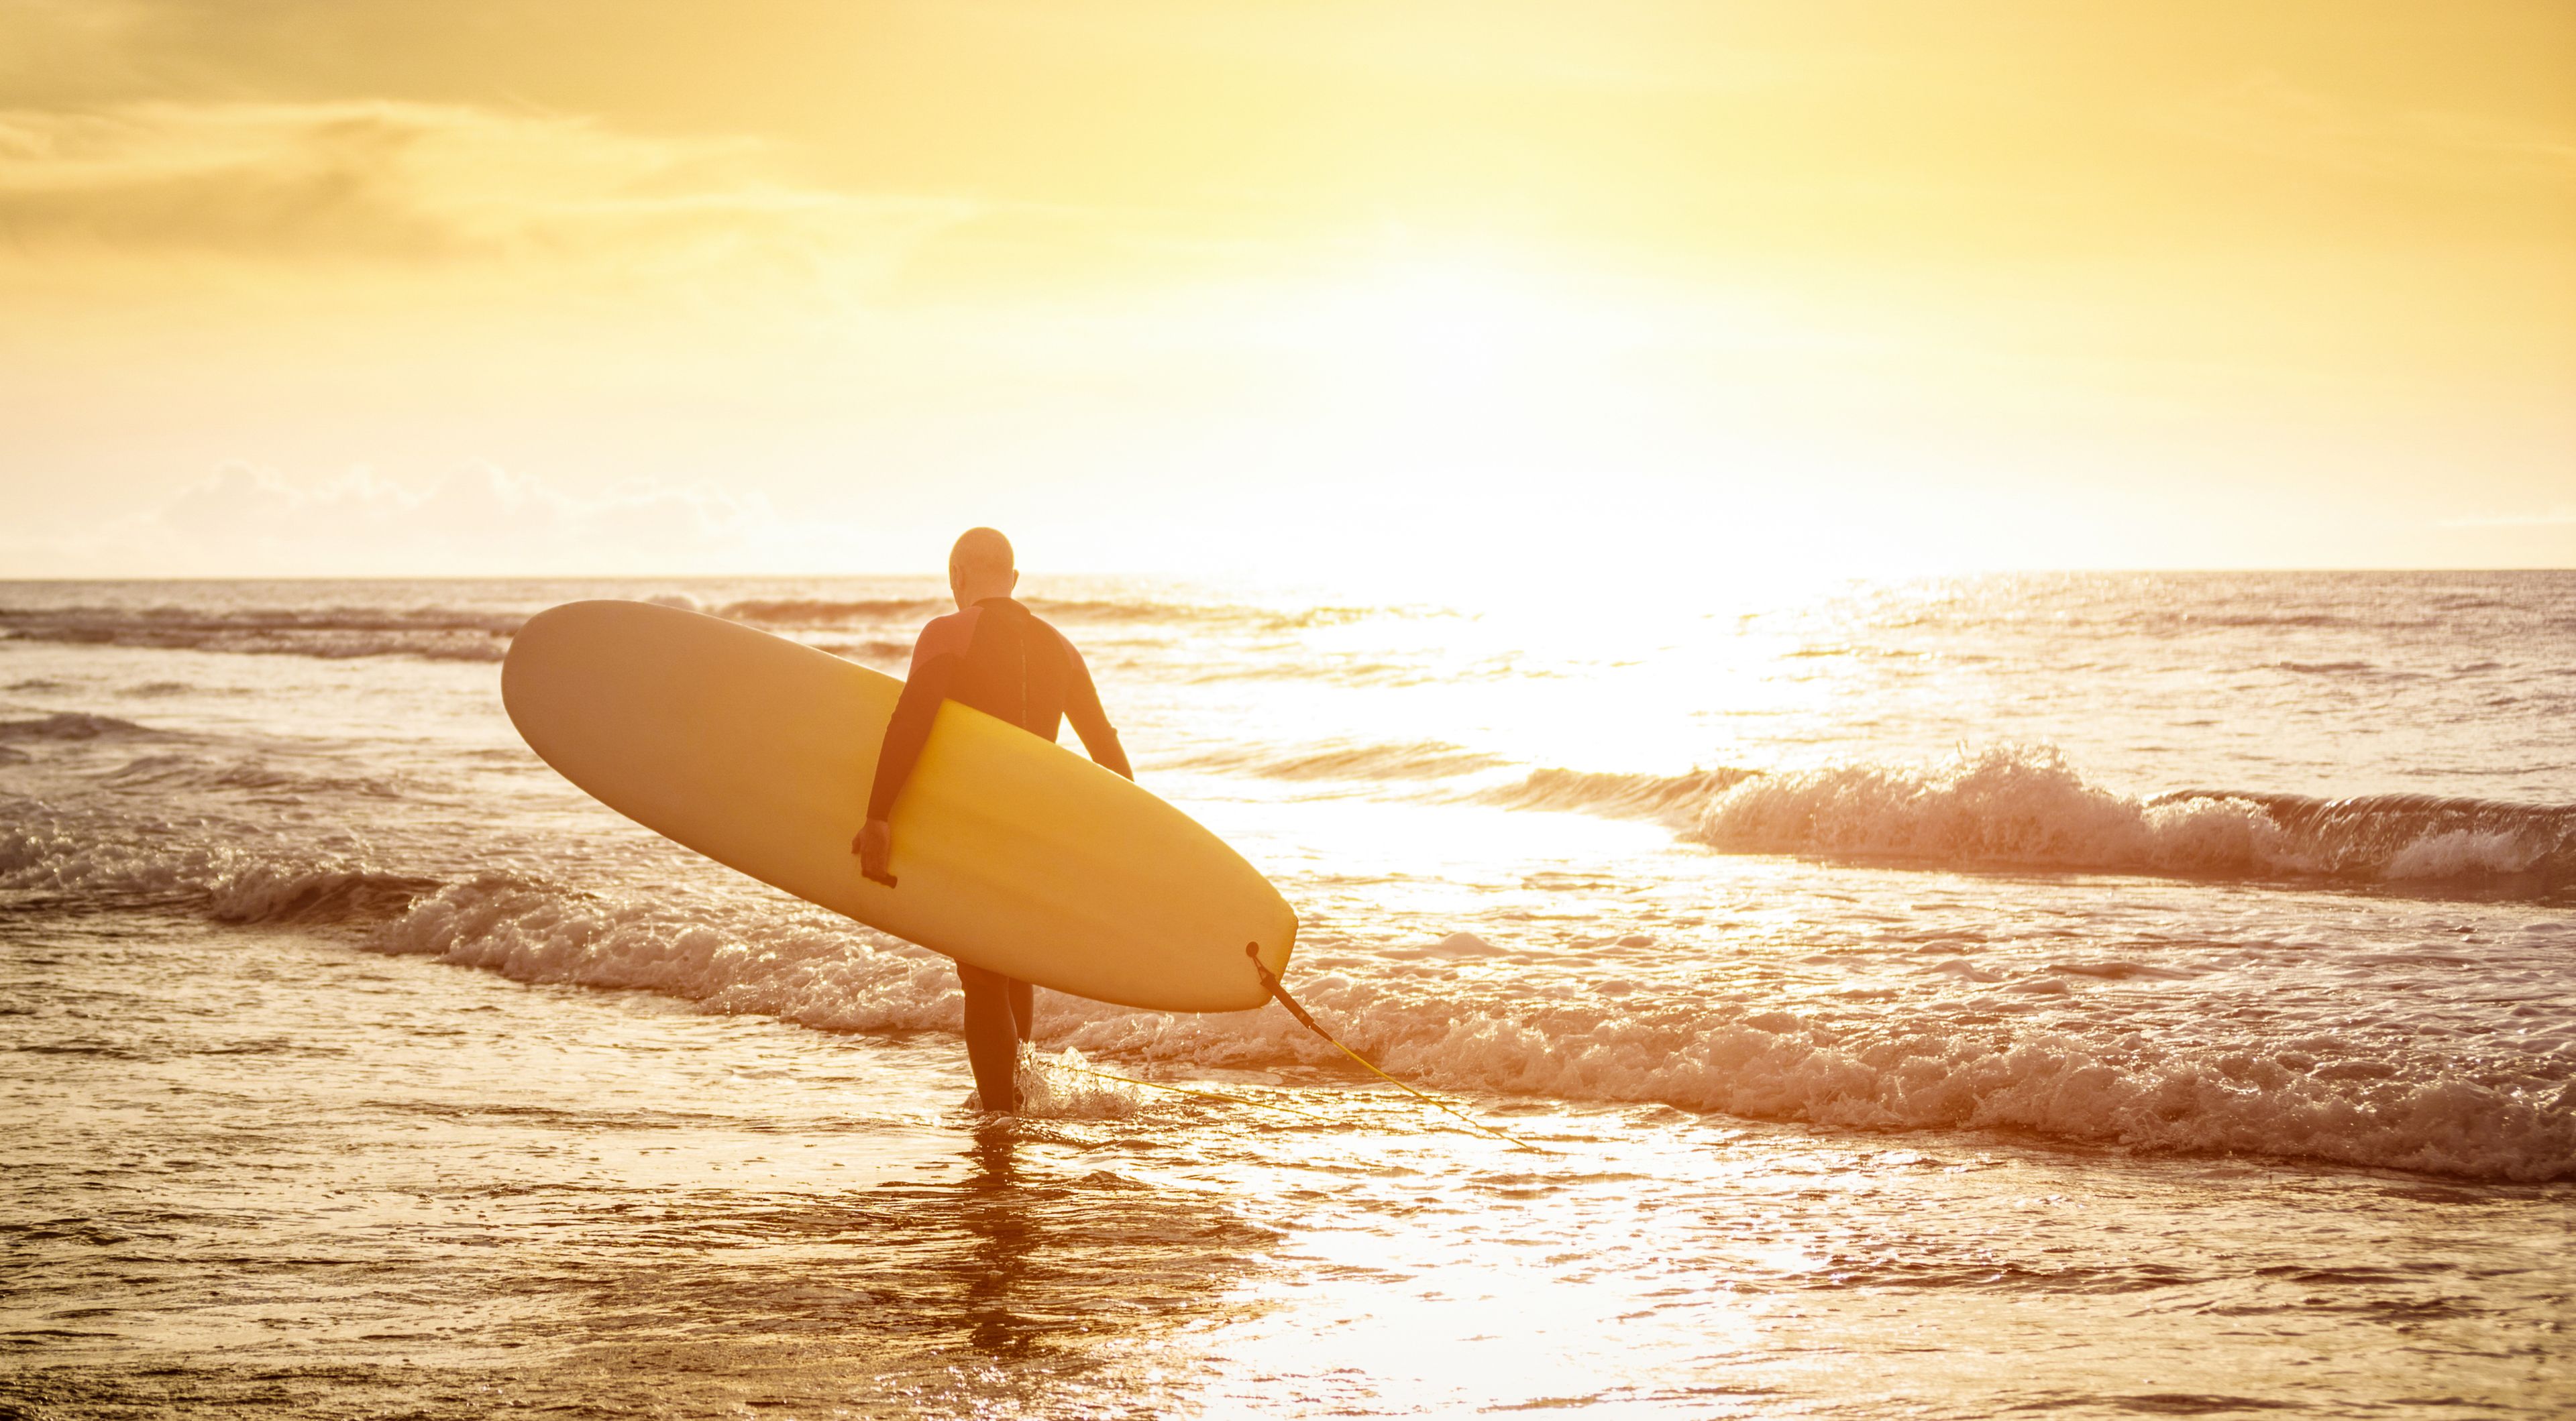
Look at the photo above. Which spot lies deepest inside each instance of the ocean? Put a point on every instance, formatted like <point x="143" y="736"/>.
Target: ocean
<point x="2092" y="994"/>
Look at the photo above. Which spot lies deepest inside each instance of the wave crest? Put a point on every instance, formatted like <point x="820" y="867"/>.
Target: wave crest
<point x="808" y="969"/>
<point x="2019" y="806"/>
<point x="228" y="883"/>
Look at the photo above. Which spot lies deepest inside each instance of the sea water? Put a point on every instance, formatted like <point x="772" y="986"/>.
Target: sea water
<point x="2098" y="994"/>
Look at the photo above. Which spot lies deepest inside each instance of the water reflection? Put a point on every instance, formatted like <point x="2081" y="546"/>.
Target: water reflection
<point x="1025" y="1278"/>
<point x="994" y="1209"/>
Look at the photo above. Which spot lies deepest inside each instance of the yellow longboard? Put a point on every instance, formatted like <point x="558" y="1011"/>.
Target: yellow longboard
<point x="1009" y="852"/>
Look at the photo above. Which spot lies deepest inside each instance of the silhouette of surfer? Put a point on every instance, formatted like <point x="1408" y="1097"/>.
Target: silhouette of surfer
<point x="999" y="657"/>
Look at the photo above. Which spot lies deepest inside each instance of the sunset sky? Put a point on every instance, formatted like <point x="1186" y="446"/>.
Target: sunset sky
<point x="1319" y="289"/>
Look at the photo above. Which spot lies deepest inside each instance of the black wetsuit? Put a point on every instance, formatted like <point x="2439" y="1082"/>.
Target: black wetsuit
<point x="1000" y="658"/>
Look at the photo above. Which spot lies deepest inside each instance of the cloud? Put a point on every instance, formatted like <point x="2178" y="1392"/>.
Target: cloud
<point x="482" y="519"/>
<point x="383" y="180"/>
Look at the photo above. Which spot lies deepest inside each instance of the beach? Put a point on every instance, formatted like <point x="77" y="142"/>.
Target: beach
<point x="2103" y="994"/>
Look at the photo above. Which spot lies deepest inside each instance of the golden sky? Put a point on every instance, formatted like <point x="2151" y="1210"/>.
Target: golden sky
<point x="1311" y="290"/>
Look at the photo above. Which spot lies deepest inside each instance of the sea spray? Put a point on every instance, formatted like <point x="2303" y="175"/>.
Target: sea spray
<point x="1067" y="1086"/>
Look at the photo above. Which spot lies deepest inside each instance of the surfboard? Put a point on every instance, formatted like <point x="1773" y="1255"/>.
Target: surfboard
<point x="1010" y="852"/>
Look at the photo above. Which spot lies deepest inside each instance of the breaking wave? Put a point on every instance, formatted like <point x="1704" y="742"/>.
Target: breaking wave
<point x="2342" y="1101"/>
<point x="43" y="855"/>
<point x="2028" y="807"/>
<point x="2367" y="1104"/>
<point x="2507" y="1115"/>
<point x="2006" y="807"/>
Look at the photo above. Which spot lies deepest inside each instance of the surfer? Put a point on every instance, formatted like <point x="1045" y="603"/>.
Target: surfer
<point x="999" y="657"/>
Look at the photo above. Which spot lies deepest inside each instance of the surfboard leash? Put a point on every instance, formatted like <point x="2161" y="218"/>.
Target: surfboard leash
<point x="1279" y="994"/>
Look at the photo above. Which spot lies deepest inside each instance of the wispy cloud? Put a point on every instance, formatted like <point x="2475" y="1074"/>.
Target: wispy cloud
<point x="380" y="180"/>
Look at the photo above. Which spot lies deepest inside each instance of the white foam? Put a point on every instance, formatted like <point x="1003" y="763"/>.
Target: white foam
<point x="2222" y="1096"/>
<point x="1068" y="1086"/>
<point x="226" y="881"/>
<point x="2027" y="806"/>
<point x="2418" y="1113"/>
<point x="2482" y="1108"/>
<point x="2011" y="805"/>
<point x="805" y="967"/>
<point x="2462" y="853"/>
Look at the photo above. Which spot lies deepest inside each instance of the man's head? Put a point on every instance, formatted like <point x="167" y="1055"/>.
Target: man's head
<point x="981" y="566"/>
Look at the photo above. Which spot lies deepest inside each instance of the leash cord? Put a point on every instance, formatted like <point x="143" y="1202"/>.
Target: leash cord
<point x="1279" y="994"/>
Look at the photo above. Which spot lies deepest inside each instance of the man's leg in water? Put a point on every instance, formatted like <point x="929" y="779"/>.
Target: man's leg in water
<point x="1024" y="1009"/>
<point x="992" y="1036"/>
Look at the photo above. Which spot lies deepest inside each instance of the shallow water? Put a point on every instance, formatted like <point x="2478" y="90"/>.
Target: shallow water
<point x="360" y="1066"/>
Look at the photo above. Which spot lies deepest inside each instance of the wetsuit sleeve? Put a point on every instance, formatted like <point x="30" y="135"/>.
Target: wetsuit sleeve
<point x="1082" y="707"/>
<point x="934" y="665"/>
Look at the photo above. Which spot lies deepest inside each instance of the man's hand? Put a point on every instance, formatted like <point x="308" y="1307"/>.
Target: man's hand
<point x="875" y="848"/>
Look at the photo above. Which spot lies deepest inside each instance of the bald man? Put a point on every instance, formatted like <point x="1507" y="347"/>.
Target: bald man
<point x="995" y="655"/>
